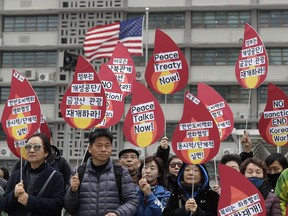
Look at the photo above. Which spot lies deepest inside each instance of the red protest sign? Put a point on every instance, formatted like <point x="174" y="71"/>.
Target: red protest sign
<point x="84" y="103"/>
<point x="238" y="195"/>
<point x="252" y="65"/>
<point x="114" y="98"/>
<point x="218" y="108"/>
<point x="273" y="124"/>
<point x="16" y="146"/>
<point x="122" y="65"/>
<point x="22" y="113"/>
<point x="144" y="122"/>
<point x="167" y="70"/>
<point x="196" y="138"/>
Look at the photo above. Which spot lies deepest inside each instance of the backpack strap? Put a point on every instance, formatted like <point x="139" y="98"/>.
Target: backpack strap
<point x="81" y="170"/>
<point x="118" y="176"/>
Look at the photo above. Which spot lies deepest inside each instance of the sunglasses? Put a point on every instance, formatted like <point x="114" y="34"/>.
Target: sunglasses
<point x="35" y="147"/>
<point x="173" y="165"/>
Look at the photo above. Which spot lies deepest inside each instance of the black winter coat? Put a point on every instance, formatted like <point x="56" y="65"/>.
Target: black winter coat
<point x="206" y="198"/>
<point x="50" y="203"/>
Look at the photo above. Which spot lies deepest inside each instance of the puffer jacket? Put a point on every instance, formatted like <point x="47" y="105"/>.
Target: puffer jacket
<point x="205" y="197"/>
<point x="98" y="194"/>
<point x="272" y="204"/>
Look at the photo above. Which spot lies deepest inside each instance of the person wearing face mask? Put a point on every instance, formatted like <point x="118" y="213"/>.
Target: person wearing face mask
<point x="255" y="170"/>
<point x="275" y="163"/>
<point x="203" y="201"/>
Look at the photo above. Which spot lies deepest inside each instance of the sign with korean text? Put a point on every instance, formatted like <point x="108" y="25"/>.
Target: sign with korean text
<point x="114" y="98"/>
<point x="196" y="138"/>
<point x="83" y="105"/>
<point x="122" y="65"/>
<point x="167" y="70"/>
<point x="252" y="65"/>
<point x="238" y="195"/>
<point x="273" y="124"/>
<point x="17" y="146"/>
<point x="22" y="113"/>
<point x="218" y="108"/>
<point x="144" y="121"/>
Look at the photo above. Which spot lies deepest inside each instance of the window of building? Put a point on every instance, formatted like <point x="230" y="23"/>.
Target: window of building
<point x="231" y="93"/>
<point x="29" y="59"/>
<point x="140" y="60"/>
<point x="177" y="97"/>
<point x="30" y="23"/>
<point x="163" y="20"/>
<point x="46" y="95"/>
<point x="277" y="56"/>
<point x="273" y="18"/>
<point x="220" y="19"/>
<point x="262" y="92"/>
<point x="217" y="56"/>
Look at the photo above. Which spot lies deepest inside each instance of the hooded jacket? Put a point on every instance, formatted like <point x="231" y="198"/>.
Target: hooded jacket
<point x="205" y="197"/>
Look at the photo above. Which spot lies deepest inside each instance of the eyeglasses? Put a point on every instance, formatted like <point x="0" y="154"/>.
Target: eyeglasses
<point x="35" y="147"/>
<point x="173" y="165"/>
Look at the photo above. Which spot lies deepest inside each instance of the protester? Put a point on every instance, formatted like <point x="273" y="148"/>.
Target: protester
<point x="56" y="161"/>
<point x="153" y="195"/>
<point x="232" y="160"/>
<point x="174" y="166"/>
<point x="4" y="173"/>
<point x="41" y="189"/>
<point x="163" y="150"/>
<point x="98" y="193"/>
<point x="281" y="190"/>
<point x="173" y="163"/>
<point x="255" y="170"/>
<point x="129" y="158"/>
<point x="204" y="200"/>
<point x="275" y="163"/>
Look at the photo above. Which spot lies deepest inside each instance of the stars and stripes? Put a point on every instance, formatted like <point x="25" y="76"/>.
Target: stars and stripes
<point x="100" y="41"/>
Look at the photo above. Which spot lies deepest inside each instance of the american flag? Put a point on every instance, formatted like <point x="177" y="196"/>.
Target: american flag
<point x="100" y="41"/>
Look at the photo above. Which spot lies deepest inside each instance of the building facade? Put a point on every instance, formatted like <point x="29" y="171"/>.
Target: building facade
<point x="36" y="34"/>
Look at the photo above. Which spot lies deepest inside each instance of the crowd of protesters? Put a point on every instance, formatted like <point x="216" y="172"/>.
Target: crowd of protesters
<point x="160" y="184"/>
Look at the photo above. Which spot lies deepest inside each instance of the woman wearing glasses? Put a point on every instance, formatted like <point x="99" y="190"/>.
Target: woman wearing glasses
<point x="41" y="189"/>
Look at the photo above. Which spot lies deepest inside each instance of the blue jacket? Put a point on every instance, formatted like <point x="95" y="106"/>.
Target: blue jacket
<point x="154" y="203"/>
<point x="50" y="203"/>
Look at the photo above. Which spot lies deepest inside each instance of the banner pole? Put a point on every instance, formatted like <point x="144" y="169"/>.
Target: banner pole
<point x="146" y="35"/>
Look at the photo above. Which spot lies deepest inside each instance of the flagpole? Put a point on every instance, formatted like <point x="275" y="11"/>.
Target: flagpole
<point x="146" y="35"/>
